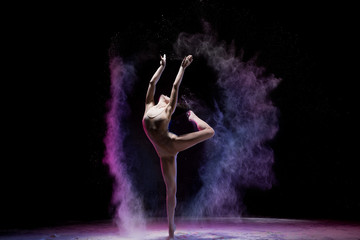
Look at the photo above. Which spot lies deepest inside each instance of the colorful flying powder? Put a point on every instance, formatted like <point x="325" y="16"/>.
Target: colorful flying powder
<point x="129" y="210"/>
<point x="244" y="120"/>
<point x="236" y="158"/>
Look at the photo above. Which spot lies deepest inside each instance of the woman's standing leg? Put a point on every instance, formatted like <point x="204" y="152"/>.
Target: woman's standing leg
<point x="169" y="171"/>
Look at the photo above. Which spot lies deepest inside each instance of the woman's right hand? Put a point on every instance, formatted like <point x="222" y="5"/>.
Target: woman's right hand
<point x="163" y="60"/>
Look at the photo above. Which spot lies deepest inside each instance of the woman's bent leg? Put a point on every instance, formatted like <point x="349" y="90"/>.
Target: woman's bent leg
<point x="168" y="168"/>
<point x="185" y="141"/>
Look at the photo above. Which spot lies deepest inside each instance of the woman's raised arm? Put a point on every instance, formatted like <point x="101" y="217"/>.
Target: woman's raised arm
<point x="175" y="89"/>
<point x="149" y="100"/>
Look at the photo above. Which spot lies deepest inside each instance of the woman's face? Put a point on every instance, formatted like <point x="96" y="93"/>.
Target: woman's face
<point x="164" y="99"/>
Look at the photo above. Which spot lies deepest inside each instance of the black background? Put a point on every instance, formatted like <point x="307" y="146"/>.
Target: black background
<point x="55" y="93"/>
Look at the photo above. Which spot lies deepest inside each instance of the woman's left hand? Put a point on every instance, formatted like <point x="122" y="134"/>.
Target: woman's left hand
<point x="187" y="61"/>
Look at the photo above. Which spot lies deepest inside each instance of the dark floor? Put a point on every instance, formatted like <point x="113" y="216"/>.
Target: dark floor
<point x="203" y="229"/>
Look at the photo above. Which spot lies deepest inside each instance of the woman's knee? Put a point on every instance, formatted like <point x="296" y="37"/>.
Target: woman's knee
<point x="171" y="190"/>
<point x="211" y="132"/>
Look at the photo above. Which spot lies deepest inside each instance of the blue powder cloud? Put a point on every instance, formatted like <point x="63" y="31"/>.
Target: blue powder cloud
<point x="245" y="119"/>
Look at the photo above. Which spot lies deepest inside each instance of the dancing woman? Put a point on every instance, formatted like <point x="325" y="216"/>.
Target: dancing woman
<point x="156" y="121"/>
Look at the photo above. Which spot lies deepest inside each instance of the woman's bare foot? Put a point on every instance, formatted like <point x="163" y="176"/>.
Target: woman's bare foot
<point x="200" y="124"/>
<point x="190" y="114"/>
<point x="172" y="229"/>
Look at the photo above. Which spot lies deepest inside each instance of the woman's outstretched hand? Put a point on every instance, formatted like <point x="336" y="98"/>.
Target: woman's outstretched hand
<point x="163" y="60"/>
<point x="186" y="61"/>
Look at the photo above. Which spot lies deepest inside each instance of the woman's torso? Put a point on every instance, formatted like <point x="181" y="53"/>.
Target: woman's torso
<point x="155" y="122"/>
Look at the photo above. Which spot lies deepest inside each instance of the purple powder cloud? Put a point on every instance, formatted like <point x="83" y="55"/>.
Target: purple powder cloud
<point x="244" y="120"/>
<point x="129" y="210"/>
